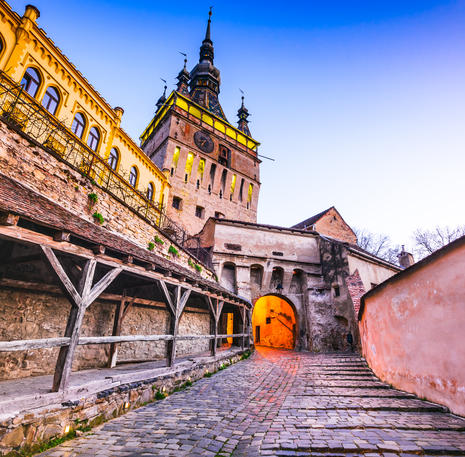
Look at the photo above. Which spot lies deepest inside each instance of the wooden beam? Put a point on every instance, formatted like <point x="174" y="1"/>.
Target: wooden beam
<point x="102" y="285"/>
<point x="68" y="286"/>
<point x="167" y="294"/>
<point x="26" y="345"/>
<point x="62" y="236"/>
<point x="99" y="249"/>
<point x="9" y="219"/>
<point x="242" y="311"/>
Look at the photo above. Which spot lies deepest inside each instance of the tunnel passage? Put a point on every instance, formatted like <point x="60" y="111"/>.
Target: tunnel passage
<point x="274" y="322"/>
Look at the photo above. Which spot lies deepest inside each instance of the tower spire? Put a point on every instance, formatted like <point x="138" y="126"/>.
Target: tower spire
<point x="183" y="78"/>
<point x="161" y="101"/>
<point x="243" y="114"/>
<point x="206" y="50"/>
<point x="207" y="33"/>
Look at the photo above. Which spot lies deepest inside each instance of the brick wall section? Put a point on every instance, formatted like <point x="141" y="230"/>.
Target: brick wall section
<point x="332" y="224"/>
<point x="356" y="289"/>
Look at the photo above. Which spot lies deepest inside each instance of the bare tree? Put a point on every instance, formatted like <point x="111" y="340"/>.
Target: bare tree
<point x="428" y="241"/>
<point x="378" y="244"/>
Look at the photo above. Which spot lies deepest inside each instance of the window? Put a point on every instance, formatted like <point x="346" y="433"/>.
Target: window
<point x="233" y="187"/>
<point x="241" y="189"/>
<point x="113" y="159"/>
<point x="268" y="320"/>
<point x="256" y="275"/>
<point x="1" y="45"/>
<point x="78" y="125"/>
<point x="31" y="81"/>
<point x="224" y="157"/>
<point x="133" y="174"/>
<point x="212" y="178"/>
<point x="199" y="212"/>
<point x="176" y="153"/>
<point x="189" y="162"/>
<point x="223" y="182"/>
<point x="93" y="139"/>
<point x="177" y="203"/>
<point x="219" y="215"/>
<point x="200" y="170"/>
<point x="249" y="195"/>
<point x="51" y="100"/>
<point x="277" y="276"/>
<point x="337" y="292"/>
<point x="150" y="191"/>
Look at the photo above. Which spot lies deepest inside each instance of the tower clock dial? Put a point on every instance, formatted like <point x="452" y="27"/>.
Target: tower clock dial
<point x="204" y="141"/>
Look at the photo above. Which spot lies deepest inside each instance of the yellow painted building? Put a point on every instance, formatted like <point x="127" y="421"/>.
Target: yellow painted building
<point x="30" y="58"/>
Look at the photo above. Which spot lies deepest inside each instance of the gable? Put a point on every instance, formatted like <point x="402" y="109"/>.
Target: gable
<point x="333" y="225"/>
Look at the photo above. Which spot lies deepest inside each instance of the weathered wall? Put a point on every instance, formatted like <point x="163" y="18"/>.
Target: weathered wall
<point x="42" y="172"/>
<point x="29" y="315"/>
<point x="332" y="224"/>
<point x="371" y="273"/>
<point x="412" y="329"/>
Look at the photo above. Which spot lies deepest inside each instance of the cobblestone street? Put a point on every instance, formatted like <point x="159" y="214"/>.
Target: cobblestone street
<point x="280" y="403"/>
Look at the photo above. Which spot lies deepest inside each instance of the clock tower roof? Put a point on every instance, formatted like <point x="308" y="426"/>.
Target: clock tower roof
<point x="205" y="77"/>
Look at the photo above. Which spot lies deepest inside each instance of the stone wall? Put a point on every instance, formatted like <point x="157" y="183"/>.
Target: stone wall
<point x="29" y="315"/>
<point x="44" y="173"/>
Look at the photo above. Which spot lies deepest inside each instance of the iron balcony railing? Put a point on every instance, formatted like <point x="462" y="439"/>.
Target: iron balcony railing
<point x="22" y="112"/>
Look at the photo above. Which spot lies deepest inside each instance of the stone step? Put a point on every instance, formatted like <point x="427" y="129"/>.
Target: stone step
<point x="360" y="403"/>
<point x="348" y="392"/>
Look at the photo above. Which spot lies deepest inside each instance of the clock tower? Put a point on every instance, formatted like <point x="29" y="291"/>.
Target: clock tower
<point x="213" y="166"/>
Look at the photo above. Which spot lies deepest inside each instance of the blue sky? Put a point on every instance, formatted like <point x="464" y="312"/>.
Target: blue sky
<point x="361" y="104"/>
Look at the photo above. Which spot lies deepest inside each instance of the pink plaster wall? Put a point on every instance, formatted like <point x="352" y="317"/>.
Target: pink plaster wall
<point x="413" y="329"/>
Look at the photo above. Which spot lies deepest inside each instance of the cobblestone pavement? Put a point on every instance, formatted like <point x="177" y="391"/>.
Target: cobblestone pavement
<point x="280" y="403"/>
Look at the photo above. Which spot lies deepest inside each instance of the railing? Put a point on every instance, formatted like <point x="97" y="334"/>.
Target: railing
<point x="19" y="110"/>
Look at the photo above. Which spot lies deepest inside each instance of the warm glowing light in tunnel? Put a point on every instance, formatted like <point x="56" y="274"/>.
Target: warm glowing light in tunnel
<point x="274" y="323"/>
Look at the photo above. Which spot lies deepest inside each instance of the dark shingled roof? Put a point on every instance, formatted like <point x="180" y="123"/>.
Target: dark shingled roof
<point x="17" y="199"/>
<point x="311" y="220"/>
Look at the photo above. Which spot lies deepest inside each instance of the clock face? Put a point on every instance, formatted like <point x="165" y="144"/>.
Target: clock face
<point x="204" y="141"/>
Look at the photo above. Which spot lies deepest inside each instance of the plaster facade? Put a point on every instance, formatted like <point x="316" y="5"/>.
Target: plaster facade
<point x="412" y="328"/>
<point x="26" y="46"/>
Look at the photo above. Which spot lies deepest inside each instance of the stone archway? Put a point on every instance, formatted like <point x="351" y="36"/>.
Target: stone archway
<point x="274" y="322"/>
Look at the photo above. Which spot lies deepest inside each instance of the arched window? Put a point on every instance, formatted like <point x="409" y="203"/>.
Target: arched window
<point x="113" y="158"/>
<point x="277" y="277"/>
<point x="78" y="125"/>
<point x="150" y="191"/>
<point x="93" y="139"/>
<point x="51" y="100"/>
<point x="228" y="277"/>
<point x="256" y="275"/>
<point x="31" y="81"/>
<point x="2" y="45"/>
<point x="133" y="174"/>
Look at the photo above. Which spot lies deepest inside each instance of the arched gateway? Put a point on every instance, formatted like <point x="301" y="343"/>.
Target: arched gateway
<point x="274" y="322"/>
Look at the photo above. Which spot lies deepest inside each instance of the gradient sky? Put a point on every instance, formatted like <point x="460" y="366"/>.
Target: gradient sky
<point x="360" y="103"/>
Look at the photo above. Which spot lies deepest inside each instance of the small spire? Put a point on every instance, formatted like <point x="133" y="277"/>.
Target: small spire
<point x="183" y="78"/>
<point x="207" y="33"/>
<point x="161" y="101"/>
<point x="243" y="114"/>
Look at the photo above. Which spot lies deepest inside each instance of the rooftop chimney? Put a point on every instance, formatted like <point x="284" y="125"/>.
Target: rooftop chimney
<point x="405" y="258"/>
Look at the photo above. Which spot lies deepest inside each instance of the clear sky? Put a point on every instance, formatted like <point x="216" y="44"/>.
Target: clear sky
<point x="360" y="103"/>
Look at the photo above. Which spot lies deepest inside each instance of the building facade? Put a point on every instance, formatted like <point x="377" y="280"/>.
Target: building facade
<point x="28" y="57"/>
<point x="213" y="166"/>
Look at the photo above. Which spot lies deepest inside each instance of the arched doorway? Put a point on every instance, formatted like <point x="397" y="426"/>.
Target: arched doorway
<point x="274" y="322"/>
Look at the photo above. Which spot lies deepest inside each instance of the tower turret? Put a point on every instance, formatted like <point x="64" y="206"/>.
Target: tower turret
<point x="183" y="80"/>
<point x="243" y="114"/>
<point x="161" y="101"/>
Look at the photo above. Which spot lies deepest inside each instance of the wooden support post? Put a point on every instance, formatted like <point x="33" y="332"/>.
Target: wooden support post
<point x="80" y="299"/>
<point x="176" y="307"/>
<point x="213" y="324"/>
<point x="242" y="310"/>
<point x="121" y="309"/>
